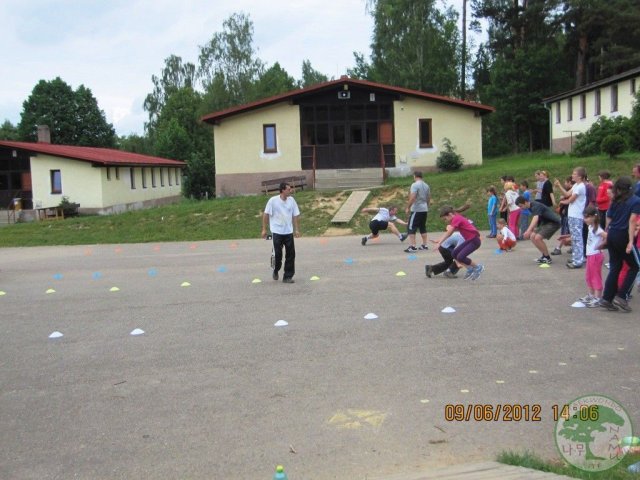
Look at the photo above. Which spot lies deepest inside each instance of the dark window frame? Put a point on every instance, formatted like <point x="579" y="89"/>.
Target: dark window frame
<point x="558" y="113"/>
<point x="597" y="101"/>
<point x="143" y="174"/>
<point x="583" y="106"/>
<point x="569" y="109"/>
<point x="614" y="98"/>
<point x="153" y="178"/>
<point x="429" y="124"/>
<point x="52" y="175"/>
<point x="266" y="147"/>
<point x="132" y="177"/>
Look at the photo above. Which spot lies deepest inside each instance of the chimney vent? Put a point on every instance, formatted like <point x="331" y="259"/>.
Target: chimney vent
<point x="44" y="134"/>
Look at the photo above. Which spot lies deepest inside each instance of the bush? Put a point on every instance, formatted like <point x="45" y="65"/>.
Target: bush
<point x="590" y="142"/>
<point x="613" y="145"/>
<point x="449" y="160"/>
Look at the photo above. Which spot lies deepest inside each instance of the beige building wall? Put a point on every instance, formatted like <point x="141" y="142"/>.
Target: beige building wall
<point x="117" y="187"/>
<point x="88" y="185"/>
<point x="80" y="181"/>
<point x="567" y="118"/>
<point x="239" y="140"/>
<point x="460" y="125"/>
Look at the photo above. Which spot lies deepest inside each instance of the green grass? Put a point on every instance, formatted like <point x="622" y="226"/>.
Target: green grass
<point x="240" y="217"/>
<point x="530" y="460"/>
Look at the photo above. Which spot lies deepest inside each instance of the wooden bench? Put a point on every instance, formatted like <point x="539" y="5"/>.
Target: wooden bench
<point x="273" y="185"/>
<point x="50" y="213"/>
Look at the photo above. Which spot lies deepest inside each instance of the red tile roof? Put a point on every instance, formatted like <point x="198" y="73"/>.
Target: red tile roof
<point x="95" y="155"/>
<point x="293" y="95"/>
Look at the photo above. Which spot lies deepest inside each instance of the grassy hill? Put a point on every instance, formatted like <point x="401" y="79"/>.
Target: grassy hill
<point x="237" y="218"/>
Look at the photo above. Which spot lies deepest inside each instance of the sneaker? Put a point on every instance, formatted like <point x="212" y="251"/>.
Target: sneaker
<point x="607" y="305"/>
<point x="468" y="274"/>
<point x="593" y="303"/>
<point x="491" y="236"/>
<point x="587" y="298"/>
<point x="423" y="247"/>
<point x="363" y="241"/>
<point x="477" y="271"/>
<point x="428" y="270"/>
<point x="410" y="249"/>
<point x="621" y="303"/>
<point x="275" y="275"/>
<point x="288" y="280"/>
<point x="403" y="236"/>
<point x="543" y="259"/>
<point x="608" y="265"/>
<point x="450" y="274"/>
<point x="556" y="251"/>
<point x="573" y="266"/>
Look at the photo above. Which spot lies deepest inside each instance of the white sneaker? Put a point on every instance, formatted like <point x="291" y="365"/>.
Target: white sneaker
<point x="593" y="303"/>
<point x="587" y="298"/>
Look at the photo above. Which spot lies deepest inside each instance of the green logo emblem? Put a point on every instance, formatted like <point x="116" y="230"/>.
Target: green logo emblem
<point x="590" y="430"/>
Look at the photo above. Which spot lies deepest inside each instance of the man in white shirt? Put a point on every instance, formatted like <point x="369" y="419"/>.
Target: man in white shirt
<point x="282" y="215"/>
<point x="384" y="218"/>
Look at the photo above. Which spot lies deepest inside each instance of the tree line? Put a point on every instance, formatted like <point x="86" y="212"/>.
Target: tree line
<point x="531" y="49"/>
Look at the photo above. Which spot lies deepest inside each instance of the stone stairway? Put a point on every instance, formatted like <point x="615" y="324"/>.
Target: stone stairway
<point x="348" y="179"/>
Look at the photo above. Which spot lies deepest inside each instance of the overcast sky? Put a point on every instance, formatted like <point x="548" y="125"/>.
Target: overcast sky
<point x="113" y="47"/>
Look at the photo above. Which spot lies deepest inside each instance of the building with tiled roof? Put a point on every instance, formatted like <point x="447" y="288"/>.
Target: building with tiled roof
<point x="574" y="112"/>
<point x="339" y="128"/>
<point x="101" y="180"/>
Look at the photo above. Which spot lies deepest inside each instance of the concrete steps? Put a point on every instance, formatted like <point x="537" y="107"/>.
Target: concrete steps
<point x="347" y="179"/>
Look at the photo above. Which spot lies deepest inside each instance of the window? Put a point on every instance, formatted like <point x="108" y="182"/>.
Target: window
<point x="169" y="181"/>
<point x="596" y="111"/>
<point x="614" y="98"/>
<point x="569" y="109"/>
<point x="583" y="106"/>
<point x="269" y="137"/>
<point x="56" y="181"/>
<point x="108" y="173"/>
<point x="425" y="133"/>
<point x="132" y="176"/>
<point x="143" y="174"/>
<point x="633" y="86"/>
<point x="356" y="134"/>
<point x="558" y="118"/>
<point x="153" y="177"/>
<point x="161" y="177"/>
<point x="177" y="170"/>
<point x="117" y="173"/>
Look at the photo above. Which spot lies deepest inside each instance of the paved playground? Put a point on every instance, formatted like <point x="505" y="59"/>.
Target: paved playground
<point x="212" y="389"/>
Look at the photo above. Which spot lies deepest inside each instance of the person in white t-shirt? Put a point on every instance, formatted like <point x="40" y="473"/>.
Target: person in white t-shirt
<point x="596" y="241"/>
<point x="282" y="215"/>
<point x="505" y="237"/>
<point x="384" y="218"/>
<point x="576" y="199"/>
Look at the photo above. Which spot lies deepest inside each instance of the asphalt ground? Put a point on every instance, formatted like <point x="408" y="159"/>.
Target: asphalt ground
<point x="213" y="390"/>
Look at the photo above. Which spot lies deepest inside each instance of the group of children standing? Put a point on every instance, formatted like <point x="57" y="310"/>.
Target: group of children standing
<point x="587" y="217"/>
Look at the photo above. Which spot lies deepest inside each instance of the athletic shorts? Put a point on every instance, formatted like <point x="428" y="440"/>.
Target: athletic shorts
<point x="377" y="225"/>
<point x="417" y="221"/>
<point x="546" y="230"/>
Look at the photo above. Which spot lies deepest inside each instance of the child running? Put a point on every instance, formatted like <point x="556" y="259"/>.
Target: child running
<point x="506" y="239"/>
<point x="384" y="218"/>
<point x="471" y="241"/>
<point x="595" y="242"/>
